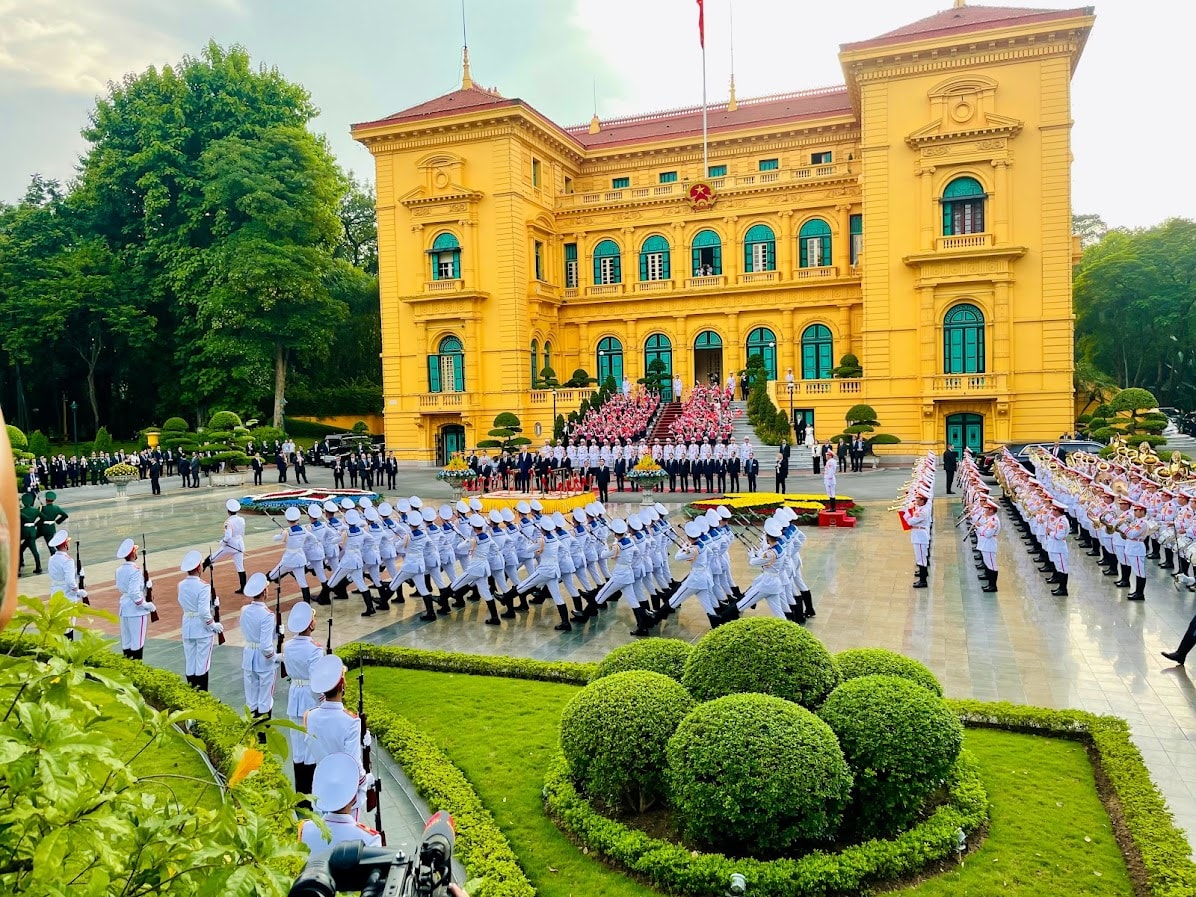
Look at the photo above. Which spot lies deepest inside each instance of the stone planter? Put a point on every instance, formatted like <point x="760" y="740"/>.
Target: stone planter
<point x="122" y="485"/>
<point x="228" y="479"/>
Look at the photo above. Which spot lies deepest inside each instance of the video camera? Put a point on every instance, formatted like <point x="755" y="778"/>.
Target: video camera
<point x="381" y="872"/>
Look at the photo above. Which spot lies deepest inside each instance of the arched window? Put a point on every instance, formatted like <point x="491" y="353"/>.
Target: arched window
<point x="446" y="257"/>
<point x="814" y="244"/>
<point x="707" y="254"/>
<point x="963" y="207"/>
<point x="446" y="369"/>
<point x="610" y="360"/>
<point x="654" y="259"/>
<point x="963" y="340"/>
<point x="658" y="348"/>
<point x="763" y="342"/>
<point x="606" y="263"/>
<point x="535" y="362"/>
<point x="817" y="350"/>
<point x="548" y="354"/>
<point x="759" y="249"/>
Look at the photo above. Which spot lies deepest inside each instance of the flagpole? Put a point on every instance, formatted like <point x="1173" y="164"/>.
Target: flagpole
<point x="705" y="159"/>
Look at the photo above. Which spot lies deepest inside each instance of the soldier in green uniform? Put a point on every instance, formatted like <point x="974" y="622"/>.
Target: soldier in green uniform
<point x="31" y="517"/>
<point x="52" y="517"/>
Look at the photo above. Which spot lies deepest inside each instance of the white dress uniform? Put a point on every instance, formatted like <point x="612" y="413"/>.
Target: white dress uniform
<point x="135" y="610"/>
<point x="294" y="557"/>
<point x="313" y="545"/>
<point x="331" y="728"/>
<point x="299" y="654"/>
<point x="622" y="576"/>
<point x="260" y="633"/>
<point x="199" y="629"/>
<point x="233" y="540"/>
<point x="62" y="576"/>
<point x="699" y="582"/>
<point x="335" y="785"/>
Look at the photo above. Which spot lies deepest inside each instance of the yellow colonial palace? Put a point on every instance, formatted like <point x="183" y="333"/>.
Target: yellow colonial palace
<point x="918" y="217"/>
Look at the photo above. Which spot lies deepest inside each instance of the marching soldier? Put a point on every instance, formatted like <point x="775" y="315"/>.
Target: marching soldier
<point x="335" y="787"/>
<point x="135" y="609"/>
<point x="232" y="542"/>
<point x="199" y="628"/>
<point x="258" y="656"/>
<point x="30" y="520"/>
<point x="300" y="654"/>
<point x="52" y="516"/>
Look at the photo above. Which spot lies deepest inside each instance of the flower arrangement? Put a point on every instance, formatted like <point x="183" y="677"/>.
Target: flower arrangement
<point x="755" y="506"/>
<point x="455" y="471"/>
<point x="646" y="469"/>
<point x="121" y="472"/>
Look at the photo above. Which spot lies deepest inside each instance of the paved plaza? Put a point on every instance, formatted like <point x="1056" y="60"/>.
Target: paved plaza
<point x="1092" y="650"/>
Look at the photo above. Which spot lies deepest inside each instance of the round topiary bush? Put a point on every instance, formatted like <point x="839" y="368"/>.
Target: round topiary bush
<point x="614" y="734"/>
<point x="900" y="741"/>
<point x="660" y="655"/>
<point x="756" y="774"/>
<point x="858" y="662"/>
<point x="175" y="423"/>
<point x="224" y="420"/>
<point x="762" y="654"/>
<point x="16" y="438"/>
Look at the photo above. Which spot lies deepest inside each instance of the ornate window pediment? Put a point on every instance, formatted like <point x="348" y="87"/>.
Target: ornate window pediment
<point x="964" y="108"/>
<point x="443" y="179"/>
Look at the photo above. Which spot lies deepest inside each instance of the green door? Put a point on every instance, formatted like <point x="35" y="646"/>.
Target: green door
<point x="966" y="430"/>
<point x="452" y="440"/>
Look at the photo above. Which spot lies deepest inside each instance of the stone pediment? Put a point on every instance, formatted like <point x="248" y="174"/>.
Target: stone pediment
<point x="992" y="125"/>
<point x="450" y="193"/>
<point x="964" y="108"/>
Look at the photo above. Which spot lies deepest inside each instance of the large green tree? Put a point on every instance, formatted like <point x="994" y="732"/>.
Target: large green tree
<point x="1135" y="301"/>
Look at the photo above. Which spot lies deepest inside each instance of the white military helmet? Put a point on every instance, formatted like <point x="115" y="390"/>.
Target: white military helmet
<point x="292" y="514"/>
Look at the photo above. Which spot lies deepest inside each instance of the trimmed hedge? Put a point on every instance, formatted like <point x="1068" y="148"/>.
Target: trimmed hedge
<point x="856" y="662"/>
<point x="614" y="733"/>
<point x="471" y="664"/>
<point x="756" y="773"/>
<point x="481" y="846"/>
<point x="764" y="655"/>
<point x="900" y="742"/>
<point x="666" y="656"/>
<point x="673" y="868"/>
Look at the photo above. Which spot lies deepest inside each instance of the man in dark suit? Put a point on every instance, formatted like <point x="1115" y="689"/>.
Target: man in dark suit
<point x="258" y="467"/>
<point x="950" y="461"/>
<point x="720" y="470"/>
<point x="620" y="472"/>
<point x="602" y="477"/>
<point x="782" y="469"/>
<point x="751" y="469"/>
<point x="733" y="465"/>
<point x="683" y="466"/>
<point x="155" y="474"/>
<point x="670" y="467"/>
<point x="525" y="471"/>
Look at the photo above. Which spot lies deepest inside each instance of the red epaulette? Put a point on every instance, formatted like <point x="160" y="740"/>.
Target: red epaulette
<point x="366" y="829"/>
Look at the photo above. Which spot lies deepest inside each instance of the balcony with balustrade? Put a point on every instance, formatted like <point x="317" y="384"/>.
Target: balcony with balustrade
<point x="452" y="285"/>
<point x="957" y="386"/>
<point x="434" y="402"/>
<point x="569" y="397"/>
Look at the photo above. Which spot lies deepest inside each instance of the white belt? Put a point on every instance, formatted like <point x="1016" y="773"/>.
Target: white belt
<point x="299" y="682"/>
<point x="195" y="616"/>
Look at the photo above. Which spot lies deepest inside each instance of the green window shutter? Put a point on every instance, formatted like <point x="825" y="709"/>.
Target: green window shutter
<point x="618" y="266"/>
<point x="570" y="252"/>
<point x="948" y="229"/>
<point x="664" y="266"/>
<point x="808" y="365"/>
<point x="433" y="373"/>
<point x="824" y="361"/>
<point x="597" y="269"/>
<point x="620" y="183"/>
<point x="747" y="258"/>
<point x="769" y="164"/>
<point x="857" y="224"/>
<point x="668" y="177"/>
<point x="770" y="263"/>
<point x="457" y="265"/>
<point x="716" y="171"/>
<point x="802" y="254"/>
<point x="643" y="266"/>
<point x="459" y="373"/>
<point x="718" y="258"/>
<point x="695" y="261"/>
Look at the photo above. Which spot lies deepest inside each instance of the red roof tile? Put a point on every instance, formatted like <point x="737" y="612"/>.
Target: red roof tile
<point x="964" y="19"/>
<point x="471" y="99"/>
<point x="778" y="109"/>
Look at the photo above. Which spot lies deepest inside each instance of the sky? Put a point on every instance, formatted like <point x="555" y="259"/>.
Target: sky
<point x="364" y="60"/>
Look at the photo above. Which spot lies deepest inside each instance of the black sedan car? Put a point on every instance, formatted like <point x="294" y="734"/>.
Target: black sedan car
<point x="1021" y="451"/>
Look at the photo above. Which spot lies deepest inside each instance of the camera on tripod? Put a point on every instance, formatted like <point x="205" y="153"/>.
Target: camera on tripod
<point x="381" y="872"/>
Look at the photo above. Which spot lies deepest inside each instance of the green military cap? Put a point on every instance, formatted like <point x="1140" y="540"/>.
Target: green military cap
<point x="27" y="499"/>
<point x="51" y="496"/>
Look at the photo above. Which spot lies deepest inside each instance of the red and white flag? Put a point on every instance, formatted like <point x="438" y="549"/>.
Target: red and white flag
<point x="702" y="23"/>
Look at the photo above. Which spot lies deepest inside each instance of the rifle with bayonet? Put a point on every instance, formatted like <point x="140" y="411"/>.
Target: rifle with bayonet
<point x="373" y="797"/>
<point x="278" y="626"/>
<point x="145" y="578"/>
<point x="214" y="600"/>
<point x="80" y="574"/>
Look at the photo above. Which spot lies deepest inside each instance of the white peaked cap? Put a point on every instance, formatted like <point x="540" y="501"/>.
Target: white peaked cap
<point x="773" y="528"/>
<point x="256" y="585"/>
<point x="372" y="515"/>
<point x="495" y="515"/>
<point x="546" y="524"/>
<point x="558" y="518"/>
<point x="347" y="504"/>
<point x="661" y="509"/>
<point x="314" y="511"/>
<point x="334" y="783"/>
<point x="365" y="502"/>
<point x="523" y="507"/>
<point x="58" y="538"/>
<point x="300" y="618"/>
<point x="429" y="514"/>
<point x="477" y="520"/>
<point x="353" y="518"/>
<point x="416" y="502"/>
<point x="330" y="507"/>
<point x="618" y="527"/>
<point x="508" y="515"/>
<point x="325" y="674"/>
<point x="232" y="505"/>
<point x="403" y="506"/>
<point x="446" y="511"/>
<point x="125" y="549"/>
<point x="191" y="559"/>
<point x="414" y="518"/>
<point x="536" y="505"/>
<point x="579" y="514"/>
<point x="475" y="504"/>
<point x="711" y="517"/>
<point x="723" y="512"/>
<point x="693" y="529"/>
<point x="385" y="509"/>
<point x="292" y="514"/>
<point x="634" y="522"/>
<point x="462" y="507"/>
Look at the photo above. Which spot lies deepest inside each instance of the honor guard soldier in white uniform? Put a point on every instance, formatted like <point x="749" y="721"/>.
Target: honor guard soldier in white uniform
<point x="294" y="557"/>
<point x="300" y="654"/>
<point x="918" y="520"/>
<point x="232" y="542"/>
<point x="331" y="728"/>
<point x="258" y="656"/>
<point x="199" y="629"/>
<point x="135" y="610"/>
<point x="335" y="789"/>
<point x="63" y="577"/>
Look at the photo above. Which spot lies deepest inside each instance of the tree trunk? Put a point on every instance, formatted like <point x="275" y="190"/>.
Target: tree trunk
<point x="280" y="382"/>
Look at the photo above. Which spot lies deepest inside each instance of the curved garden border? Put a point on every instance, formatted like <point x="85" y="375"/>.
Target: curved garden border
<point x="1146" y="832"/>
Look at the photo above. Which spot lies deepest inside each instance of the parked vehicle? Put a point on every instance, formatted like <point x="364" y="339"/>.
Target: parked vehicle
<point x="1021" y="451"/>
<point x="341" y="445"/>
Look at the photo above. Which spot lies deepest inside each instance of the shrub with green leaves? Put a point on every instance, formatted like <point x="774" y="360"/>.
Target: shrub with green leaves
<point x="39" y="444"/>
<point x="176" y="424"/>
<point x="16" y="438"/>
<point x="900" y="741"/>
<point x="754" y="774"/>
<point x="857" y="662"/>
<point x="659" y="655"/>
<point x="223" y="420"/>
<point x="614" y="734"/>
<point x="761" y="654"/>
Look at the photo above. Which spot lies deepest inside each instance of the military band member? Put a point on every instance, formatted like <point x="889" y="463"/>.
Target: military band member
<point x="1136" y="531"/>
<point x="1057" y="529"/>
<point x="918" y="520"/>
<point x="987" y="529"/>
<point x="135" y="609"/>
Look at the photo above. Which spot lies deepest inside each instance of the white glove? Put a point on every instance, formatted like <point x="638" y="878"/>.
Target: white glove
<point x="82" y="573"/>
<point x="217" y="627"/>
<point x="278" y="537"/>
<point x="149" y="584"/>
<point x="82" y="593"/>
<point x="367" y="781"/>
<point x="150" y="606"/>
<point x="367" y="739"/>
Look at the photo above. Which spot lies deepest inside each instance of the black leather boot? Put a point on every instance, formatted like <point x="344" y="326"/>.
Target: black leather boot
<point x="493" y="619"/>
<point x="643" y="626"/>
<point x="429" y="615"/>
<point x="323" y="598"/>
<point x="1061" y="589"/>
<point x="1124" y="581"/>
<point x="306" y="593"/>
<point x="564" y="625"/>
<point x="715" y="622"/>
<point x="1139" y="593"/>
<point x="991" y="586"/>
<point x="807" y="601"/>
<point x="508" y="601"/>
<point x="729" y="612"/>
<point x="1169" y="559"/>
<point x="369" y="604"/>
<point x="442" y="602"/>
<point x="923" y="573"/>
<point x="458" y="598"/>
<point x="241" y="579"/>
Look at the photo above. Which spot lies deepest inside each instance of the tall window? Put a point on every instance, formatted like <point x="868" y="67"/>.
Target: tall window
<point x="814" y="244"/>
<point x="707" y="254"/>
<point x="610" y="360"/>
<point x="816" y="352"/>
<point x="606" y="263"/>
<point x="759" y="249"/>
<point x="538" y="251"/>
<point x="535" y="362"/>
<point x="763" y="342"/>
<point x="535" y="172"/>
<point x="963" y="340"/>
<point x="770" y="164"/>
<point x="571" y="264"/>
<point x="446" y="369"/>
<point x="857" y="238"/>
<point x="820" y="158"/>
<point x="548" y="354"/>
<point x="668" y="177"/>
<point x="659" y="348"/>
<point x="654" y="259"/>
<point x="963" y="207"/>
<point x="620" y="183"/>
<point x="446" y="257"/>
<point x="716" y="171"/>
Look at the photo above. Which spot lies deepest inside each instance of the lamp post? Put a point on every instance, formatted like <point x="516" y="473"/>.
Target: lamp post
<point x="75" y="418"/>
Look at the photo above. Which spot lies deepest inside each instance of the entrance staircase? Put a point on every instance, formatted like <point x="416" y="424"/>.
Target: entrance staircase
<point x="741" y="429"/>
<point x="668" y="414"/>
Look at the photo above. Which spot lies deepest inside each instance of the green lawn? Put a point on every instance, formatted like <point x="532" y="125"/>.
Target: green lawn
<point x="174" y="758"/>
<point x="1048" y="835"/>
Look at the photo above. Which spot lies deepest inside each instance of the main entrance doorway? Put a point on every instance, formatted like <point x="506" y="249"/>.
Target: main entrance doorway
<point x="708" y="358"/>
<point x="966" y="430"/>
<point x="449" y="441"/>
<point x="803" y="424"/>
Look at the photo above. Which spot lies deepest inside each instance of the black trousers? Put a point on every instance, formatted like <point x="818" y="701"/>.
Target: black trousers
<point x="751" y="478"/>
<point x="950" y="478"/>
<point x="734" y="482"/>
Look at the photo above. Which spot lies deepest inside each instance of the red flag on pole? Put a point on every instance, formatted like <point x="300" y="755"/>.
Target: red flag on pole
<point x="702" y="24"/>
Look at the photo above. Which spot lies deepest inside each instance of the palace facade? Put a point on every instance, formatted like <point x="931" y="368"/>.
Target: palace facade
<point x="918" y="217"/>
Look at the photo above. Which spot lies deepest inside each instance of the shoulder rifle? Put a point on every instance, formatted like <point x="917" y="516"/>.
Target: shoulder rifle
<point x="214" y="600"/>
<point x="80" y="574"/>
<point x="145" y="578"/>
<point x="278" y="625"/>
<point x="328" y="647"/>
<point x="373" y="798"/>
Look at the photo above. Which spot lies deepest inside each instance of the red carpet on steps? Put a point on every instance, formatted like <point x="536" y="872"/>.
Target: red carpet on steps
<point x="667" y="416"/>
